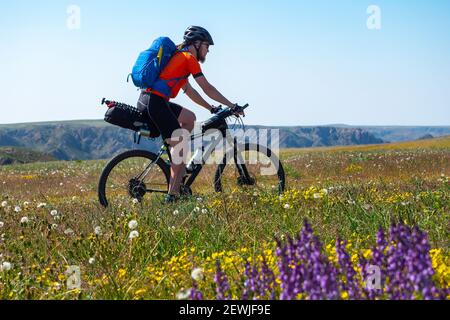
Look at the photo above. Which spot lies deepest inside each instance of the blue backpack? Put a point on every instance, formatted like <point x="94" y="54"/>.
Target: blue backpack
<point x="151" y="62"/>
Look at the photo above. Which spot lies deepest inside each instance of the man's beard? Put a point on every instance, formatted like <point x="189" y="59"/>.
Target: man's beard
<point x="202" y="59"/>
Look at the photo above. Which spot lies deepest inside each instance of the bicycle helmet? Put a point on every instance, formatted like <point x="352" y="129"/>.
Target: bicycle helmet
<point x="194" y="33"/>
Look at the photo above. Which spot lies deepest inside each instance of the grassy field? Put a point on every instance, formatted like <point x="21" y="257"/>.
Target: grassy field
<point x="50" y="219"/>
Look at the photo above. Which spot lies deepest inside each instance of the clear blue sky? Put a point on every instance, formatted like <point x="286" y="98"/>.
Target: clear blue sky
<point x="296" y="62"/>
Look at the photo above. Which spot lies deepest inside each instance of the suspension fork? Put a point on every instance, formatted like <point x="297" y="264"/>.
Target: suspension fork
<point x="240" y="164"/>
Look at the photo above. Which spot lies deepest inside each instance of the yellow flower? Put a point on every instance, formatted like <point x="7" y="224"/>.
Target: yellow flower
<point x="367" y="254"/>
<point x="122" y="273"/>
<point x="140" y="291"/>
<point x="344" y="295"/>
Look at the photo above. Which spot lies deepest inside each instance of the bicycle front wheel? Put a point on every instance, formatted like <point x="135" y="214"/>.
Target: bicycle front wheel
<point x="132" y="175"/>
<point x="250" y="167"/>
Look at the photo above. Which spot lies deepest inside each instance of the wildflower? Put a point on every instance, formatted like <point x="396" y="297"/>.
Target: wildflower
<point x="41" y="205"/>
<point x="133" y="224"/>
<point x="317" y="195"/>
<point x="197" y="274"/>
<point x="26" y="204"/>
<point x="204" y="211"/>
<point x="53" y="213"/>
<point x="54" y="226"/>
<point x="133" y="234"/>
<point x="176" y="212"/>
<point x="2" y="224"/>
<point x="98" y="231"/>
<point x="122" y="273"/>
<point x="287" y="206"/>
<point x="324" y="191"/>
<point x="199" y="199"/>
<point x="183" y="294"/>
<point x="68" y="232"/>
<point x="4" y="204"/>
<point x="24" y="220"/>
<point x="17" y="209"/>
<point x="135" y="201"/>
<point x="5" y="266"/>
<point x="91" y="260"/>
<point x="196" y="209"/>
<point x="140" y="292"/>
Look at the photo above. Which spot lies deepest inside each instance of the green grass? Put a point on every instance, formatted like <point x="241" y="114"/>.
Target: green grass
<point x="366" y="189"/>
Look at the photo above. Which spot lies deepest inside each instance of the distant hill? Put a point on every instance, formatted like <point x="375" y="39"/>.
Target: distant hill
<point x="14" y="155"/>
<point x="406" y="133"/>
<point x="95" y="139"/>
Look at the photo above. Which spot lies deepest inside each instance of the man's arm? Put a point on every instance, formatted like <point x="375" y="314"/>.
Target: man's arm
<point x="195" y="96"/>
<point x="212" y="92"/>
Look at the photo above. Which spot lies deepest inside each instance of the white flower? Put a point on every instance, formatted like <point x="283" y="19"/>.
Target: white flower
<point x="324" y="191"/>
<point x="53" y="213"/>
<point x="26" y="204"/>
<point x="91" y="260"/>
<point x="61" y="184"/>
<point x="135" y="201"/>
<point x="133" y="234"/>
<point x="287" y="206"/>
<point x="5" y="266"/>
<point x="199" y="199"/>
<point x="68" y="232"/>
<point x="204" y="211"/>
<point x="133" y="224"/>
<point x="54" y="226"/>
<point x="4" y="204"/>
<point x="184" y="294"/>
<point x="41" y="205"/>
<point x="98" y="231"/>
<point x="317" y="195"/>
<point x="197" y="274"/>
<point x="2" y="224"/>
<point x="197" y="209"/>
<point x="255" y="194"/>
<point x="24" y="220"/>
<point x="17" y="209"/>
<point x="176" y="212"/>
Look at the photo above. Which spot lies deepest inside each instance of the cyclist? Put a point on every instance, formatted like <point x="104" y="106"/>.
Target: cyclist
<point x="169" y="116"/>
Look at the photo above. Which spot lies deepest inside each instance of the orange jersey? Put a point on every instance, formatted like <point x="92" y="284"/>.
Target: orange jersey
<point x="182" y="64"/>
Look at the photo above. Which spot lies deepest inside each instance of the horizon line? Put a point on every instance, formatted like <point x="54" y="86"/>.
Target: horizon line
<point x="259" y="125"/>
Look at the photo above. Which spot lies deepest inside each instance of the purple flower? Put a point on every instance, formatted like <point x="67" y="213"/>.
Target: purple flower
<point x="222" y="286"/>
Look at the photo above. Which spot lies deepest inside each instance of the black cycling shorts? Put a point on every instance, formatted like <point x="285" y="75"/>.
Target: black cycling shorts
<point x="163" y="113"/>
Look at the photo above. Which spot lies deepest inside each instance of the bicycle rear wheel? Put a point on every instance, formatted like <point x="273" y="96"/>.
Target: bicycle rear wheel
<point x="250" y="167"/>
<point x="132" y="175"/>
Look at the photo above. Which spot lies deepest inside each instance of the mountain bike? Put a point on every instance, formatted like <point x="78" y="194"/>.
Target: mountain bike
<point x="138" y="174"/>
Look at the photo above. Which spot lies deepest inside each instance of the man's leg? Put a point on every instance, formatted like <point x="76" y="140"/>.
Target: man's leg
<point x="178" y="170"/>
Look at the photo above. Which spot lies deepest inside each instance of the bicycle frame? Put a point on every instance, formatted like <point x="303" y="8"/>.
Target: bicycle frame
<point x="190" y="178"/>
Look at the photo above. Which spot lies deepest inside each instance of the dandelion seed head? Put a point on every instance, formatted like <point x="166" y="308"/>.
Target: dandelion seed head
<point x="197" y="274"/>
<point x="133" y="235"/>
<point x="133" y="224"/>
<point x="24" y="220"/>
